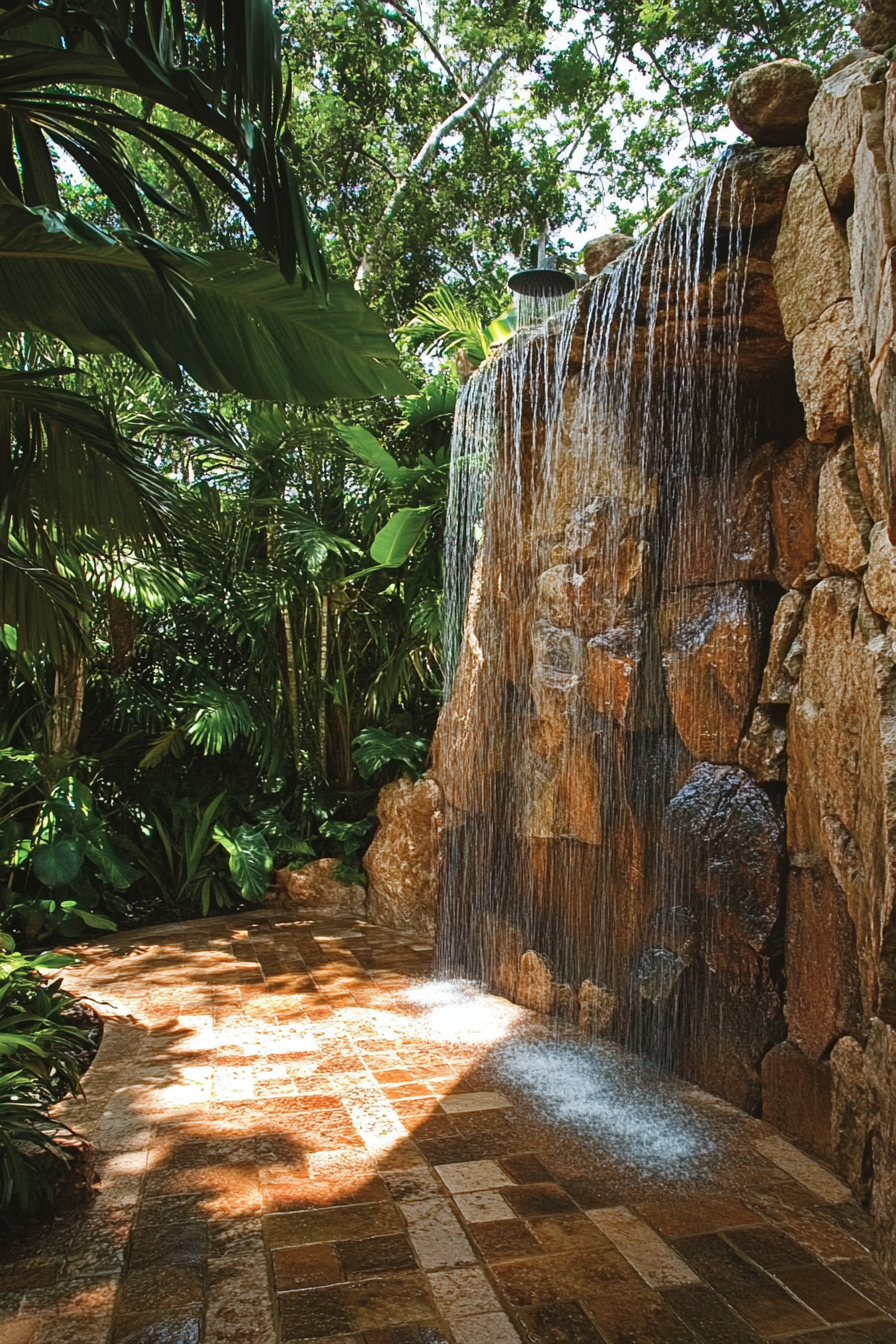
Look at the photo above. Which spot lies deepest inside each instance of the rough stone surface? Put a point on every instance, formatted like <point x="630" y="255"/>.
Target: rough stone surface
<point x="402" y="863"/>
<point x="535" y="984"/>
<point x="597" y="1008"/>
<point x="723" y="530"/>
<point x="870" y="227"/>
<point x="796" y="1097"/>
<point x="835" y="128"/>
<point x="851" y="1117"/>
<point x="842" y="761"/>
<point x="763" y="749"/>
<point x="599" y="252"/>
<point x="811" y="261"/>
<point x="880" y="576"/>
<point x="318" y="887"/>
<point x="827" y="363"/>
<point x="771" y="102"/>
<point x="782" y="668"/>
<point x="712" y="641"/>
<point x="729" y="836"/>
<point x="823" y="998"/>
<point x="877" y="31"/>
<point x="794" y="511"/>
<point x="844" y="523"/>
<point x="881" y="1070"/>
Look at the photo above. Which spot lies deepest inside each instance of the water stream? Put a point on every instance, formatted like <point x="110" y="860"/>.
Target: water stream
<point x="592" y="464"/>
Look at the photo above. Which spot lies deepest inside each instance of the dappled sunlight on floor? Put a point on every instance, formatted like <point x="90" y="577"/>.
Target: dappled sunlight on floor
<point x="301" y="1136"/>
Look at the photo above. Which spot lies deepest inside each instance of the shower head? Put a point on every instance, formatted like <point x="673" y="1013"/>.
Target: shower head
<point x="542" y="283"/>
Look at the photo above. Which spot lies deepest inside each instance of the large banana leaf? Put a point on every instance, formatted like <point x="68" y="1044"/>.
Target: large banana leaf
<point x="228" y="320"/>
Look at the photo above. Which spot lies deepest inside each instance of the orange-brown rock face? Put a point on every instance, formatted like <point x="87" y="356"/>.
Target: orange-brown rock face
<point x="402" y="862"/>
<point x="684" y="627"/>
<point x="318" y="886"/>
<point x="713" y="640"/>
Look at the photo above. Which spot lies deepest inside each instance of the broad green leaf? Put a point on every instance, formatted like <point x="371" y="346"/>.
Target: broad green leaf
<point x="375" y="747"/>
<point x="393" y="543"/>
<point x="95" y="921"/>
<point x="251" y="860"/>
<point x="59" y="862"/>
<point x="227" y="319"/>
<point x="438" y="398"/>
<point x="368" y="450"/>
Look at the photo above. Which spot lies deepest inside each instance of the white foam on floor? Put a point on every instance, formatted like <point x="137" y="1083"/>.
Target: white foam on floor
<point x="603" y="1094"/>
<point x="456" y="1011"/>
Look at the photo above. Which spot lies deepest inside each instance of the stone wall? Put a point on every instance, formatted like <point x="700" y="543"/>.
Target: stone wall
<point x="757" y="700"/>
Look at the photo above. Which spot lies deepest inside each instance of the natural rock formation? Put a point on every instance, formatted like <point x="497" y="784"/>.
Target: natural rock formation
<point x="319" y="887"/>
<point x="402" y="862"/>
<point x="770" y="103"/>
<point x="713" y="642"/>
<point x="674" y="642"/>
<point x="811" y="261"/>
<point x="599" y="252"/>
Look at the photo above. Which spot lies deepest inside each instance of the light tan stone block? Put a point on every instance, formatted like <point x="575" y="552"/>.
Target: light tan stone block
<point x="811" y="261"/>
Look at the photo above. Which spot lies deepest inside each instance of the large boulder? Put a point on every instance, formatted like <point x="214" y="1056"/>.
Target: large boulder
<point x="823" y="998"/>
<point x="811" y="261"/>
<point x="796" y="1097"/>
<point x="319" y="888"/>
<point x="844" y="523"/>
<point x="713" y="641"/>
<point x="828" y="364"/>
<point x="771" y="102"/>
<point x="835" y="128"/>
<point x="794" y="509"/>
<point x="870" y="227"/>
<point x="723" y="531"/>
<point x="599" y="252"/>
<point x="402" y="863"/>
<point x="728" y="835"/>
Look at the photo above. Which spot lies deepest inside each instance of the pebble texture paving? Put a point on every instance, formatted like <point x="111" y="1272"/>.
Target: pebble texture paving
<point x="275" y="1164"/>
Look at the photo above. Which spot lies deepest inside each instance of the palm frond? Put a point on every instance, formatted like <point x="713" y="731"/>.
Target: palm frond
<point x="228" y="320"/>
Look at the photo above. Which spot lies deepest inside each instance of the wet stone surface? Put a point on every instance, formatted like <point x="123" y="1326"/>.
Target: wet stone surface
<point x="302" y="1137"/>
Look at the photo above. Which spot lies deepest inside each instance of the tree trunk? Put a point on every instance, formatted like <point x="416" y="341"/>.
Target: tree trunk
<point x="64" y="719"/>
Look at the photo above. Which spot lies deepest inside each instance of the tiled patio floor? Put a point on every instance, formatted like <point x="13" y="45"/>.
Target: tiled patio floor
<point x="287" y="1152"/>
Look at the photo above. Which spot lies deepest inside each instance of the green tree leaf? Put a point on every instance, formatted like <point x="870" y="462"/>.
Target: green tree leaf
<point x="227" y="319"/>
<point x="59" y="862"/>
<point x="394" y="543"/>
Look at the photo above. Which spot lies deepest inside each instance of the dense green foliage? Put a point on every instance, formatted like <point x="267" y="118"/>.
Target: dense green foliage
<point x="42" y="1054"/>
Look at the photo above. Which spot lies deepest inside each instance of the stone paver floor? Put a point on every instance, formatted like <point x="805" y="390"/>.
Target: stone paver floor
<point x="295" y="1144"/>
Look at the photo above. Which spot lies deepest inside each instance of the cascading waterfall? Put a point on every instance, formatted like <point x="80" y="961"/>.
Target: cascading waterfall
<point x="591" y="462"/>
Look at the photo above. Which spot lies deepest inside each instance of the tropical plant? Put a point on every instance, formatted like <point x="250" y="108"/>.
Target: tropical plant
<point x="42" y="1055"/>
<point x="63" y="871"/>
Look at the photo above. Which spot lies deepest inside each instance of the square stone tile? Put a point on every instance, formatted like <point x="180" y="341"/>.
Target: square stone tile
<point x="344" y="1223"/>
<point x="491" y="1328"/>
<point x="538" y="1201"/>
<point x="709" y="1317"/>
<point x="752" y="1293"/>
<point x="436" y="1234"/>
<point x="508" y="1239"/>
<point x="483" y="1206"/>
<point x="559" y="1323"/>
<point x="460" y="1177"/>
<point x="826" y="1293"/>
<point x="463" y="1292"/>
<point x="375" y="1255"/>
<point x="313" y="1266"/>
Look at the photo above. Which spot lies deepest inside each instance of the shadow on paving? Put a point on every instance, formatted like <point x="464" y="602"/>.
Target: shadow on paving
<point x="291" y="1146"/>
